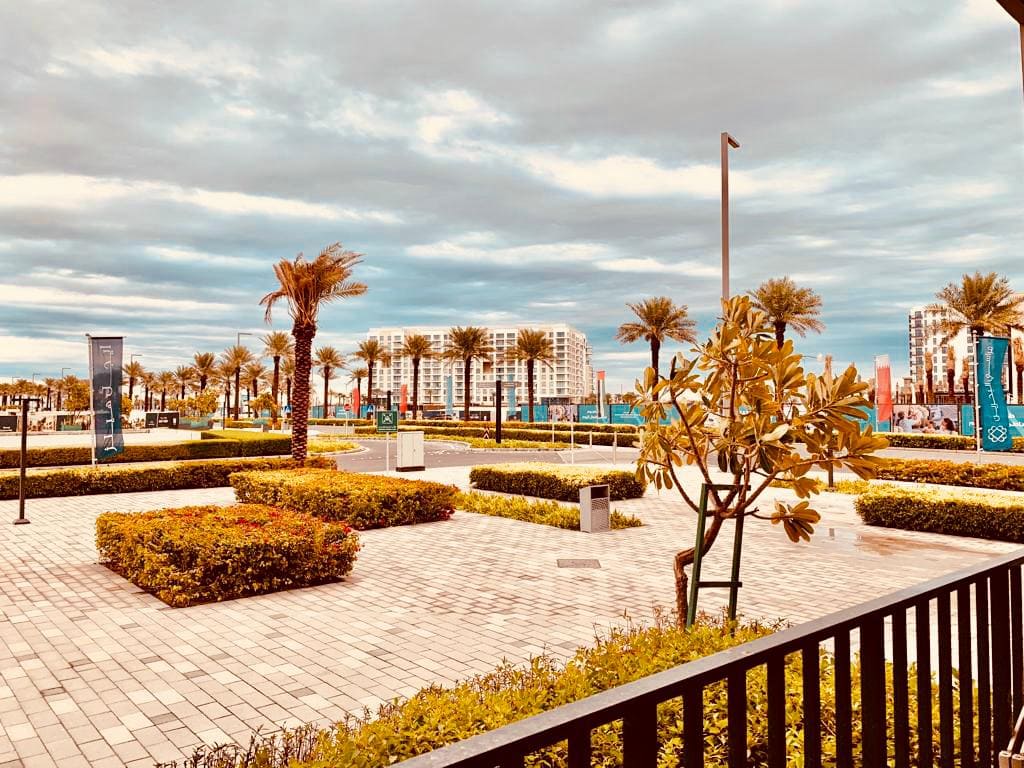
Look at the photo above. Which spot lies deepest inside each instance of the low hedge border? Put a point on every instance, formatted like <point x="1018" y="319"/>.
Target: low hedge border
<point x="1001" y="477"/>
<point x="554" y="481"/>
<point x="957" y="513"/>
<point x="216" y="448"/>
<point x="173" y="477"/>
<point x="253" y="443"/>
<point x="628" y="429"/>
<point x="436" y="716"/>
<point x="203" y="554"/>
<point x="547" y="512"/>
<point x="938" y="441"/>
<point x="580" y="436"/>
<point x="361" y="500"/>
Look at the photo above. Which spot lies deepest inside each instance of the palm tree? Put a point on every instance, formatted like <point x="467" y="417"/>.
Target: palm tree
<point x="205" y="366"/>
<point x="416" y="347"/>
<point x="236" y="358"/>
<point x="288" y="369"/>
<point x="532" y="347"/>
<point x="166" y="381"/>
<point x="357" y="376"/>
<point x="306" y="285"/>
<point x="277" y="345"/>
<point x="50" y="383"/>
<point x="328" y="360"/>
<point x="788" y="305"/>
<point x="950" y="369"/>
<point x="659" y="319"/>
<point x="133" y="371"/>
<point x="252" y="374"/>
<point x="372" y="352"/>
<point x="224" y="374"/>
<point x="149" y="382"/>
<point x="467" y="344"/>
<point x="185" y="377"/>
<point x="979" y="303"/>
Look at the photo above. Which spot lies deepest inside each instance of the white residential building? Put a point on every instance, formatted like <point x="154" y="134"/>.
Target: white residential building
<point x="568" y="379"/>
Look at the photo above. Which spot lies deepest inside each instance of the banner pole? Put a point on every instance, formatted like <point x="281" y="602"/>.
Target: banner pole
<point x="977" y="409"/>
<point x="92" y="401"/>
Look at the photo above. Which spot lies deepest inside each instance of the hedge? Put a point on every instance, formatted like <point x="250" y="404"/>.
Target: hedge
<point x="554" y="481"/>
<point x="363" y="501"/>
<point x="436" y="716"/>
<point x="1002" y="477"/>
<point x="563" y="435"/>
<point x="202" y="554"/>
<point x="957" y="513"/>
<point x="173" y="477"/>
<point x="82" y="454"/>
<point x="254" y="443"/>
<point x="935" y="440"/>
<point x="546" y="512"/>
<point x="628" y="429"/>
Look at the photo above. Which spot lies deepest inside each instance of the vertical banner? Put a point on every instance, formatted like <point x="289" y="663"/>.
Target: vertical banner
<point x="600" y="395"/>
<point x="403" y="400"/>
<point x="995" y="416"/>
<point x="355" y="402"/>
<point x="513" y="406"/>
<point x="449" y="397"/>
<point x="105" y="358"/>
<point x="883" y="390"/>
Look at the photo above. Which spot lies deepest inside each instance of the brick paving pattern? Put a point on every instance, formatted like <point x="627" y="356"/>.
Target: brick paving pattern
<point x="95" y="672"/>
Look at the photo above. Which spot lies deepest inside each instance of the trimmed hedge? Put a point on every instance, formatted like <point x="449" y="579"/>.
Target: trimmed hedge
<point x="254" y="443"/>
<point x="1001" y="477"/>
<point x="202" y="554"/>
<point x="938" y="441"/>
<point x="173" y="477"/>
<point x="563" y="435"/>
<point x="82" y="454"/>
<point x="957" y="513"/>
<point x="554" y="481"/>
<point x="363" y="501"/>
<point x="547" y="512"/>
<point x="629" y="429"/>
<point x="436" y="716"/>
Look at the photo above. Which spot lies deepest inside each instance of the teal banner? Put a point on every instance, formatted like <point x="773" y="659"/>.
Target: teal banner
<point x="992" y="410"/>
<point x="105" y="377"/>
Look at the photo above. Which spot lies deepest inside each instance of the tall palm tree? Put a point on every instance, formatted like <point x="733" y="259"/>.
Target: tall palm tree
<point x="205" y="366"/>
<point x="236" y="358"/>
<point x="372" y="352"/>
<point x="979" y="303"/>
<point x="306" y="286"/>
<point x="467" y="344"/>
<point x="253" y="373"/>
<point x="532" y="347"/>
<point x="658" y="318"/>
<point x="149" y="383"/>
<point x="133" y="370"/>
<point x="950" y="369"/>
<point x="416" y="347"/>
<point x="166" y="381"/>
<point x="184" y="377"/>
<point x="288" y="370"/>
<point x="51" y="383"/>
<point x="328" y="360"/>
<point x="358" y="374"/>
<point x="277" y="345"/>
<point x="224" y="374"/>
<point x="788" y="306"/>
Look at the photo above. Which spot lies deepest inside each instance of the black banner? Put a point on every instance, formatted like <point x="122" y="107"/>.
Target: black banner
<point x="162" y="419"/>
<point x="105" y="358"/>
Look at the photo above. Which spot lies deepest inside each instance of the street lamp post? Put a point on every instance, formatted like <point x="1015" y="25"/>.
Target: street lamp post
<point x="239" y="335"/>
<point x="1016" y="10"/>
<point x="727" y="141"/>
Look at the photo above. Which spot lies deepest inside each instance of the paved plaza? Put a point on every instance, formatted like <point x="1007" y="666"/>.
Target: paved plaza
<point x="95" y="672"/>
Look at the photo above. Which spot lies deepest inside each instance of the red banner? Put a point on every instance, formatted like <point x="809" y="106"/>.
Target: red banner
<point x="883" y="389"/>
<point x="404" y="401"/>
<point x="355" y="402"/>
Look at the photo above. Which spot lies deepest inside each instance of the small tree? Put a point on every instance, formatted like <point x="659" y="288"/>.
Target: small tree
<point x="748" y="403"/>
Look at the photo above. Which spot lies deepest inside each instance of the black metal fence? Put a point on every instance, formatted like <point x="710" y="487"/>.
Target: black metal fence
<point x="920" y="645"/>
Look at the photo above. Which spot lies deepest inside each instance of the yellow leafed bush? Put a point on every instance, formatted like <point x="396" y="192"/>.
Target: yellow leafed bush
<point x="547" y="512"/>
<point x="554" y="481"/>
<point x="958" y="513"/>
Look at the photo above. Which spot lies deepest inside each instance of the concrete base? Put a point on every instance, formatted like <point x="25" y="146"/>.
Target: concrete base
<point x="409" y="469"/>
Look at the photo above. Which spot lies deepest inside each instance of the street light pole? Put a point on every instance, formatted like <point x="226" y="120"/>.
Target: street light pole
<point x="239" y="335"/>
<point x="727" y="141"/>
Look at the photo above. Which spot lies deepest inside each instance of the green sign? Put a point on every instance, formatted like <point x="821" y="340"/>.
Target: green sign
<point x="387" y="421"/>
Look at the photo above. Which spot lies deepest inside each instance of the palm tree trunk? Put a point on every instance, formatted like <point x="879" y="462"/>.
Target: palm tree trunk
<point x="131" y="390"/>
<point x="780" y="333"/>
<point x="415" y="387"/>
<point x="163" y="399"/>
<point x="288" y="393"/>
<point x="369" y="385"/>
<point x="275" y="388"/>
<point x="931" y="389"/>
<point x="1020" y="383"/>
<point x="238" y="390"/>
<point x="182" y="392"/>
<point x="202" y="384"/>
<point x="655" y="350"/>
<point x="227" y="399"/>
<point x="529" y="388"/>
<point x="466" y="372"/>
<point x="300" y="411"/>
<point x="327" y="385"/>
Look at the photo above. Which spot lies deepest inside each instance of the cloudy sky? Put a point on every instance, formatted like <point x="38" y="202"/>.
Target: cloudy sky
<point x="539" y="160"/>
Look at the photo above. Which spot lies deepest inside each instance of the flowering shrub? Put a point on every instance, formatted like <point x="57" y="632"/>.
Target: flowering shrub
<point x="201" y="554"/>
<point x="363" y="501"/>
<point x="554" y="481"/>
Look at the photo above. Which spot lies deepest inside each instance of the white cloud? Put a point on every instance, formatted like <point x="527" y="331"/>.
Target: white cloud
<point x="66" y="191"/>
<point x="552" y="304"/>
<point x="24" y="349"/>
<point x="472" y="249"/>
<point x="647" y="265"/>
<point x="628" y="356"/>
<point x="26" y="295"/>
<point x="962" y="87"/>
<point x="163" y="57"/>
<point x="187" y="255"/>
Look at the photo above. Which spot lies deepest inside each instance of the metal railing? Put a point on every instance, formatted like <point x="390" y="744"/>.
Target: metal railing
<point x="974" y="614"/>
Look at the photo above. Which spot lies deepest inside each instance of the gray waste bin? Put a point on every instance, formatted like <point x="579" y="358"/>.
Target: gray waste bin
<point x="595" y="509"/>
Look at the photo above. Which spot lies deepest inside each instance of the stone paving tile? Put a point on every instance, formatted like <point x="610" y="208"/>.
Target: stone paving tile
<point x="94" y="671"/>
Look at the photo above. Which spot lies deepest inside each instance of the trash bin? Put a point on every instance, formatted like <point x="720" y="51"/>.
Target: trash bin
<point x="595" y="509"/>
<point x="410" y="452"/>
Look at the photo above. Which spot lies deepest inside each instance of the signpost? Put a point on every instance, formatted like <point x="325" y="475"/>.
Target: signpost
<point x="387" y="422"/>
